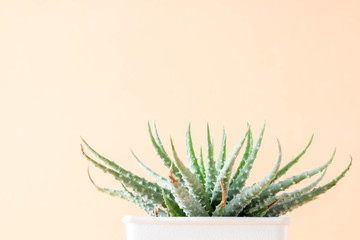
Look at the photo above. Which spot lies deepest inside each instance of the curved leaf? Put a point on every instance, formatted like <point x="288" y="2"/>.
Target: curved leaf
<point x="290" y="205"/>
<point x="255" y="210"/>
<point x="161" y="152"/>
<point x="248" y="149"/>
<point x="283" y="170"/>
<point x="153" y="174"/>
<point x="240" y="200"/>
<point x="225" y="172"/>
<point x="240" y="180"/>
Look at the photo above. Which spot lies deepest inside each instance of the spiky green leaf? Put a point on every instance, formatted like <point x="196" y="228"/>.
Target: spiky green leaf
<point x="153" y="174"/>
<point x="240" y="200"/>
<point x="123" y="173"/>
<point x="222" y="154"/>
<point x="108" y="162"/>
<point x="247" y="152"/>
<point x="172" y="210"/>
<point x="288" y="182"/>
<point x="193" y="162"/>
<point x="144" y="189"/>
<point x="202" y="165"/>
<point x="283" y="170"/>
<point x="211" y="171"/>
<point x="161" y="152"/>
<point x="194" y="185"/>
<point x="255" y="210"/>
<point x="291" y="204"/>
<point x="240" y="180"/>
<point x="147" y="206"/>
<point x="187" y="202"/>
<point x="225" y="172"/>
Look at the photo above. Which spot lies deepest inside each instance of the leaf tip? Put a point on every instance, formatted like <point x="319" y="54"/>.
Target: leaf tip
<point x="82" y="149"/>
<point x="172" y="143"/>
<point x="273" y="203"/>
<point x="171" y="175"/>
<point x="223" y="198"/>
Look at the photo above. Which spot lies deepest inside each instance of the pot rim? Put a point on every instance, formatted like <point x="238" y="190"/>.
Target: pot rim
<point x="207" y="220"/>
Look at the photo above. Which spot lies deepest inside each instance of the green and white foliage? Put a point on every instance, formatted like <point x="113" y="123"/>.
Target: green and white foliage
<point x="209" y="187"/>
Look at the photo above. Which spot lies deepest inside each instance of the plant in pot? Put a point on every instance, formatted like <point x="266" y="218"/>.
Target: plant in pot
<point x="208" y="200"/>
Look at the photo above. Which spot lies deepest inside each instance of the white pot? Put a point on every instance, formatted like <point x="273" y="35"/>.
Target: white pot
<point x="205" y="228"/>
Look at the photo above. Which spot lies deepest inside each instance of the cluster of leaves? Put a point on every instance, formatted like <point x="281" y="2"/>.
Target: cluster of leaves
<point x="209" y="187"/>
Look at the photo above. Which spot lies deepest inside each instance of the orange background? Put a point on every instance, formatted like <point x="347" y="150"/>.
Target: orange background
<point x="101" y="69"/>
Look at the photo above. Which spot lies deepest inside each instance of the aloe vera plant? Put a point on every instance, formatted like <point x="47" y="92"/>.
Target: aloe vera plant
<point x="208" y="187"/>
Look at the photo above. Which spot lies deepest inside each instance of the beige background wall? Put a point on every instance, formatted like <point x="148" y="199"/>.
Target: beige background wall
<point x="101" y="69"/>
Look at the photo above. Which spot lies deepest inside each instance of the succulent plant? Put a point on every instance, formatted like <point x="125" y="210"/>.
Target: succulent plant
<point x="210" y="188"/>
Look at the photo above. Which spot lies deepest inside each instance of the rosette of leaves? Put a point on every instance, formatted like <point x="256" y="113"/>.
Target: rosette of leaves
<point x="209" y="187"/>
